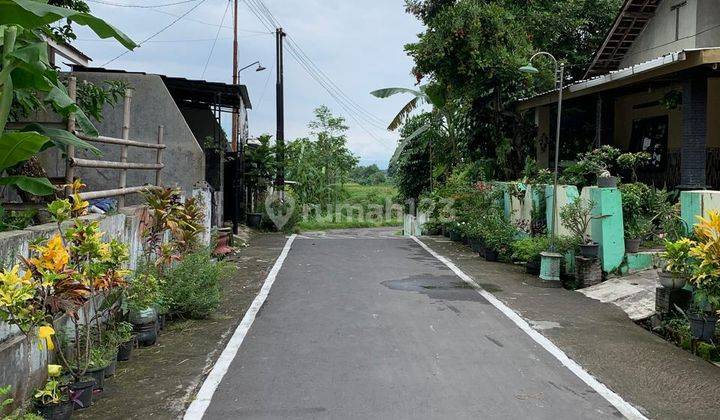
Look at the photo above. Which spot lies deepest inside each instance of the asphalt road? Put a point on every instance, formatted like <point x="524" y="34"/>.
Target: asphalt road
<point x="371" y="326"/>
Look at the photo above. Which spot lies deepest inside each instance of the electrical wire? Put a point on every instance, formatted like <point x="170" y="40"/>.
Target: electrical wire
<point x="268" y="21"/>
<point x="267" y="80"/>
<point x="140" y="6"/>
<point x="166" y="27"/>
<point x="217" y="35"/>
<point x="372" y="119"/>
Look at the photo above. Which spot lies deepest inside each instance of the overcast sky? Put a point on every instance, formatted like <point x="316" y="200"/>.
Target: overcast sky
<point x="358" y="44"/>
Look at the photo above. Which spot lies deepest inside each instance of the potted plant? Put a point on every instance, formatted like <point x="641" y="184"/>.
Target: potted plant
<point x="528" y="250"/>
<point x="19" y="413"/>
<point x="599" y="162"/>
<point x="576" y="217"/>
<point x="634" y="161"/>
<point x="120" y="336"/>
<point x="53" y="400"/>
<point x="678" y="264"/>
<point x="142" y="295"/>
<point x="706" y="278"/>
<point x="636" y="229"/>
<point x="499" y="235"/>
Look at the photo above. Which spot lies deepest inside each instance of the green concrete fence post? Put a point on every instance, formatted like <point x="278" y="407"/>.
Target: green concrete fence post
<point x="608" y="231"/>
<point x="566" y="195"/>
<point x="697" y="203"/>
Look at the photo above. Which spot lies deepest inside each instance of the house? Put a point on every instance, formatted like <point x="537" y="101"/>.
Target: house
<point x="190" y="111"/>
<point x="653" y="85"/>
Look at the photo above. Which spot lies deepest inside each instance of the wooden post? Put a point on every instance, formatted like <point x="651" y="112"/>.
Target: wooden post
<point x="124" y="148"/>
<point x="160" y="139"/>
<point x="70" y="152"/>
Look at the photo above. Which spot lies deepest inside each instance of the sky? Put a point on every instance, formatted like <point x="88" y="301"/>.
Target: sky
<point x="357" y="44"/>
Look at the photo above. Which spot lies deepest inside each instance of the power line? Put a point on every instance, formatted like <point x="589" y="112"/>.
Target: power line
<point x="168" y="26"/>
<point x="217" y="34"/>
<point x="140" y="6"/>
<point x="171" y="41"/>
<point x="267" y="80"/>
<point x="372" y="119"/>
<point x="266" y="18"/>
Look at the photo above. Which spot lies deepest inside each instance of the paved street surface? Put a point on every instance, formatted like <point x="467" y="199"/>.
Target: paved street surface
<point x="369" y="325"/>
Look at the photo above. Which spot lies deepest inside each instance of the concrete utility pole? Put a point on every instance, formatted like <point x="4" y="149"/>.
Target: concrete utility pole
<point x="280" y="113"/>
<point x="235" y="122"/>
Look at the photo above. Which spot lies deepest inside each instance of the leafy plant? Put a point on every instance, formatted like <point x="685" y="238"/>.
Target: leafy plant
<point x="192" y="288"/>
<point x="638" y="228"/>
<point x="706" y="250"/>
<point x="26" y="74"/>
<point x="52" y="393"/>
<point x="678" y="259"/>
<point x="577" y="216"/>
<point x="92" y="98"/>
<point x="633" y="162"/>
<point x="529" y="249"/>
<point x="498" y="232"/>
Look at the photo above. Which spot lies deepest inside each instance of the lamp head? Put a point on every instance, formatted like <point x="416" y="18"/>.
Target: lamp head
<point x="260" y="67"/>
<point x="529" y="69"/>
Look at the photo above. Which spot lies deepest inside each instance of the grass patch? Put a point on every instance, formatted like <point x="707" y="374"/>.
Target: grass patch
<point x="366" y="196"/>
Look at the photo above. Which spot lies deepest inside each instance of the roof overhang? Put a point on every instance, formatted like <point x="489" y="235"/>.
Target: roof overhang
<point x="69" y="52"/>
<point x="661" y="66"/>
<point x="628" y="25"/>
<point x="193" y="92"/>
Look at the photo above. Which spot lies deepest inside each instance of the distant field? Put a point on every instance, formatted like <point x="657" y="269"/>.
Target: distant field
<point x="364" y="199"/>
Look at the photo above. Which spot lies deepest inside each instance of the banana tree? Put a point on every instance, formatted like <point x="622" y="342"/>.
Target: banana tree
<point x="430" y="94"/>
<point x="25" y="70"/>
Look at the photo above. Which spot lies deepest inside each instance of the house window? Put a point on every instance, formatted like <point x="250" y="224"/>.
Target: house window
<point x="676" y="8"/>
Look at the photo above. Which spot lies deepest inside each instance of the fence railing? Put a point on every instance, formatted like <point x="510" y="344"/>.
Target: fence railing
<point x="123" y="165"/>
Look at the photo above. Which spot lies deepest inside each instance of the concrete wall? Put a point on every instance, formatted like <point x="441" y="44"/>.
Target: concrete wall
<point x="22" y="362"/>
<point x="151" y="106"/>
<point x="658" y="38"/>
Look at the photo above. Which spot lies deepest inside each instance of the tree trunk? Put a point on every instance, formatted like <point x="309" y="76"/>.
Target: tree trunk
<point x="32" y="168"/>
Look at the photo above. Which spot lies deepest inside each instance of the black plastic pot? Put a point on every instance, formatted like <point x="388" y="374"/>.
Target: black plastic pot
<point x="703" y="326"/>
<point x="590" y="250"/>
<point x="476" y="245"/>
<point x="83" y="391"/>
<point x="254" y="219"/>
<point x="61" y="411"/>
<point x="632" y="246"/>
<point x="99" y="375"/>
<point x="161" y="322"/>
<point x="145" y="326"/>
<point x="110" y="369"/>
<point x="607" y="182"/>
<point x="125" y="350"/>
<point x="446" y="232"/>
<point x="491" y="255"/>
<point x="532" y="267"/>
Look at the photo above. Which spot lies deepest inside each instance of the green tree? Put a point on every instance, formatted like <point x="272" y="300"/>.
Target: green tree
<point x="321" y="165"/>
<point x="411" y="166"/>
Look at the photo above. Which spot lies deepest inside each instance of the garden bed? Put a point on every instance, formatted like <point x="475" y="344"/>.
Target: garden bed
<point x="161" y="380"/>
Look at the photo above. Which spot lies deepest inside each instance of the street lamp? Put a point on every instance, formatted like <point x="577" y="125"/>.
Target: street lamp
<point x="550" y="269"/>
<point x="259" y="67"/>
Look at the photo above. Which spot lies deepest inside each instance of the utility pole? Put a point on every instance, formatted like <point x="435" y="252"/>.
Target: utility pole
<point x="235" y="128"/>
<point x="280" y="113"/>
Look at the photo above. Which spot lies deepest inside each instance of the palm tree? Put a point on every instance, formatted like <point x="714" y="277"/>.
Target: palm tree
<point x="431" y="94"/>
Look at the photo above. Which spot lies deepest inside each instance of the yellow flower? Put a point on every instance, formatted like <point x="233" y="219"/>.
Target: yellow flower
<point x="54" y="370"/>
<point x="45" y="333"/>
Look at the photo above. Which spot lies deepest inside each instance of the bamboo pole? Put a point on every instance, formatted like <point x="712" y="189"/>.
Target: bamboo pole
<point x="70" y="152"/>
<point x="115" y="140"/>
<point x="124" y="147"/>
<point x="108" y="164"/>
<point x="159" y="156"/>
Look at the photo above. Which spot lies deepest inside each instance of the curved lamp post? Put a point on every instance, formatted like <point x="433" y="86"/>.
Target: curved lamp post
<point x="550" y="269"/>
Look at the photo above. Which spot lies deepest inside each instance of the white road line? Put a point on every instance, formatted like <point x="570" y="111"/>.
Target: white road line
<point x="204" y="396"/>
<point x="623" y="406"/>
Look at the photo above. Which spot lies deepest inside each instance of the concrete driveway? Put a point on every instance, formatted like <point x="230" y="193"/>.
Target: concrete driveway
<point x="370" y="325"/>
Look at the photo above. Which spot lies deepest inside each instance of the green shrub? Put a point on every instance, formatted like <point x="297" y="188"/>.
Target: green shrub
<point x="529" y="249"/>
<point x="192" y="288"/>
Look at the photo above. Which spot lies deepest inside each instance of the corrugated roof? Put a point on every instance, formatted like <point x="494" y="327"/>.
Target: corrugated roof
<point x="189" y="90"/>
